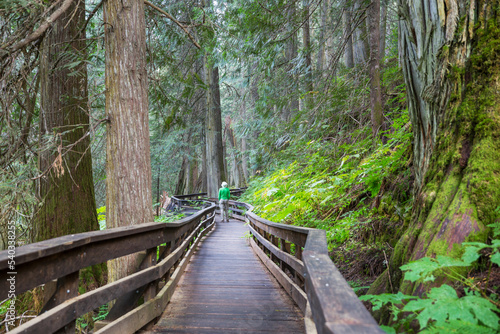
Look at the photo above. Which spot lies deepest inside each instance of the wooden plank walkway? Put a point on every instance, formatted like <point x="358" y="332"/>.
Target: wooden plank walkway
<point x="226" y="289"/>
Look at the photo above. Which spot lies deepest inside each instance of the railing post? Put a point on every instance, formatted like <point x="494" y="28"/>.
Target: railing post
<point x="65" y="288"/>
<point x="149" y="261"/>
<point x="285" y="248"/>
<point x="274" y="241"/>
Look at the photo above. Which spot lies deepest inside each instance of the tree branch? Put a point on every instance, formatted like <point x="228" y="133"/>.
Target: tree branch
<point x="38" y="32"/>
<point x="173" y="20"/>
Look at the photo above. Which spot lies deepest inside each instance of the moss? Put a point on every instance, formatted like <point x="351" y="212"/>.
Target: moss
<point x="462" y="185"/>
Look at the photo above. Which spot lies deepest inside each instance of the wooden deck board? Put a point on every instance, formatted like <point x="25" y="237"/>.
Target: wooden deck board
<point x="226" y="289"/>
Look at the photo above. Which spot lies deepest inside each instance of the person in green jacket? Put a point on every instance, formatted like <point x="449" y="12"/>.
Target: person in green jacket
<point x="224" y="196"/>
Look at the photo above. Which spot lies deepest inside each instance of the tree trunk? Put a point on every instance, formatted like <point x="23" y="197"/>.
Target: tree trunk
<point x="244" y="159"/>
<point x="306" y="44"/>
<point x="452" y="85"/>
<point x="215" y="159"/>
<point x="239" y="176"/>
<point x="360" y="42"/>
<point x="128" y="168"/>
<point x="321" y="64"/>
<point x="290" y="54"/>
<point x="348" y="50"/>
<point x="383" y="27"/>
<point x="67" y="188"/>
<point x="184" y="179"/>
<point x="377" y="116"/>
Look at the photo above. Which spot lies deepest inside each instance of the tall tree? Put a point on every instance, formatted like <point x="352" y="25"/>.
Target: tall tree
<point x="306" y="44"/>
<point x="383" y="27"/>
<point x="360" y="43"/>
<point x="215" y="157"/>
<point x="377" y="116"/>
<point x="128" y="169"/>
<point x="322" y="52"/>
<point x="348" y="49"/>
<point x="66" y="187"/>
<point x="237" y="174"/>
<point x="291" y="54"/>
<point x="450" y="63"/>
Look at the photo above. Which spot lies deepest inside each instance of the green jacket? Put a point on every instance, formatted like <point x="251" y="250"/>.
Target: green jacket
<point x="224" y="193"/>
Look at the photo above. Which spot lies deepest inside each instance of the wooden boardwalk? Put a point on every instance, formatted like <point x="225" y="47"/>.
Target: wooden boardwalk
<point x="226" y="289"/>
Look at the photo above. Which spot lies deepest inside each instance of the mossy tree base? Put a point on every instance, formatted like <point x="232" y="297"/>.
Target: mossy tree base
<point x="460" y="184"/>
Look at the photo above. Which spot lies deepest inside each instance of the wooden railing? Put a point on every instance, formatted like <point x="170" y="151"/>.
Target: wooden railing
<point x="298" y="258"/>
<point x="179" y="202"/>
<point x="165" y="251"/>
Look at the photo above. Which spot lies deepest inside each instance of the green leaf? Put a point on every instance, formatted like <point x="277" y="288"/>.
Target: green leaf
<point x="495" y="258"/>
<point x="459" y="327"/>
<point x="472" y="250"/>
<point x="424" y="267"/>
<point x="380" y="300"/>
<point x="388" y="330"/>
<point x="419" y="269"/>
<point x="443" y="305"/>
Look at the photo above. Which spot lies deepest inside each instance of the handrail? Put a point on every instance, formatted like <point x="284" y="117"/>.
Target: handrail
<point x="62" y="258"/>
<point x="296" y="256"/>
<point x="333" y="305"/>
<point x="178" y="201"/>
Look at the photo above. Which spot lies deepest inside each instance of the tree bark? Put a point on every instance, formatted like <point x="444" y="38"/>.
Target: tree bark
<point x="348" y="51"/>
<point x="321" y="63"/>
<point x="452" y="82"/>
<point x="215" y="158"/>
<point x="128" y="168"/>
<point x="360" y="44"/>
<point x="290" y="54"/>
<point x="67" y="188"/>
<point x="306" y="44"/>
<point x="377" y="116"/>
<point x="237" y="167"/>
<point x="383" y="27"/>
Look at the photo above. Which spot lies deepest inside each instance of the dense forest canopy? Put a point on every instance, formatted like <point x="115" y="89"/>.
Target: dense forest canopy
<point x="376" y="120"/>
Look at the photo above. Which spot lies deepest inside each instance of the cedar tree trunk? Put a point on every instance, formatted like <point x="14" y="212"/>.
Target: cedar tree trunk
<point x="451" y="66"/>
<point x="128" y="168"/>
<point x="67" y="187"/>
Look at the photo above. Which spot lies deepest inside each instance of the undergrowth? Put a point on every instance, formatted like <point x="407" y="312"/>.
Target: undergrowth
<point x="348" y="197"/>
<point x="332" y="175"/>
<point x="469" y="306"/>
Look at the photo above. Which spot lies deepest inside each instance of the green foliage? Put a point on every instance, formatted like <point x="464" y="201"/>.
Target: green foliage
<point x="323" y="186"/>
<point x="169" y="218"/>
<point x="442" y="309"/>
<point x="423" y="269"/>
<point x="86" y="322"/>
<point x="443" y="304"/>
<point x="101" y="217"/>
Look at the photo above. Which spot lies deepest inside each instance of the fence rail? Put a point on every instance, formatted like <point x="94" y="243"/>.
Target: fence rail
<point x="298" y="258"/>
<point x="165" y="250"/>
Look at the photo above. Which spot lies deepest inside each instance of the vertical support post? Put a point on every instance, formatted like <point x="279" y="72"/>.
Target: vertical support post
<point x="298" y="255"/>
<point x="149" y="261"/>
<point x="66" y="288"/>
<point x="282" y="246"/>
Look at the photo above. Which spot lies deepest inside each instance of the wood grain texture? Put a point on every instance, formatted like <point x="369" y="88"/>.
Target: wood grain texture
<point x="297" y="265"/>
<point x="226" y="289"/>
<point x="152" y="309"/>
<point x="62" y="314"/>
<point x="44" y="261"/>
<point x="334" y="305"/>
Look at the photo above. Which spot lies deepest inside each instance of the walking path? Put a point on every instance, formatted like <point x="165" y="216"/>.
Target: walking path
<point x="226" y="289"/>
